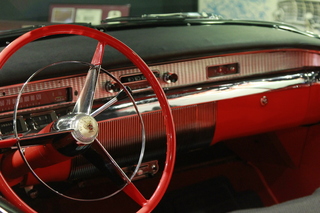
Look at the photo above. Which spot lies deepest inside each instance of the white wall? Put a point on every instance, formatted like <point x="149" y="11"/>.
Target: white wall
<point x="303" y="14"/>
<point x="240" y="9"/>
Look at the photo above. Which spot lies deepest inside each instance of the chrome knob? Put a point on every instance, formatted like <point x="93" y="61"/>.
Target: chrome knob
<point x="111" y="87"/>
<point x="170" y="77"/>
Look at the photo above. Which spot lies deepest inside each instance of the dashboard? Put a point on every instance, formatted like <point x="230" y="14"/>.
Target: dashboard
<point x="194" y="89"/>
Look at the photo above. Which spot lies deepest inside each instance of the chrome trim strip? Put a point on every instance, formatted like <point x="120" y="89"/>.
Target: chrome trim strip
<point x="239" y="89"/>
<point x="215" y="93"/>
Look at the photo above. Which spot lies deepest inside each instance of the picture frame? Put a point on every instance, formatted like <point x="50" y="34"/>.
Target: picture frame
<point x="70" y="13"/>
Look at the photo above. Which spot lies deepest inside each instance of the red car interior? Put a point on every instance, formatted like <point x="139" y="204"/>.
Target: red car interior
<point x="200" y="117"/>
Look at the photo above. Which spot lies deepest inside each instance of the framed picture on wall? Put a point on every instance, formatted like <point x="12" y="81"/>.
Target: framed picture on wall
<point x="89" y="15"/>
<point x="68" y="13"/>
<point x="62" y="14"/>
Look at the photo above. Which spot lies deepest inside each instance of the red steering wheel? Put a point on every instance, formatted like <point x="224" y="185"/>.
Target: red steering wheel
<point x="147" y="205"/>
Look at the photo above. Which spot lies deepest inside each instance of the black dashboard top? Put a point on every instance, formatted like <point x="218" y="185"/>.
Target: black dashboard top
<point x="158" y="44"/>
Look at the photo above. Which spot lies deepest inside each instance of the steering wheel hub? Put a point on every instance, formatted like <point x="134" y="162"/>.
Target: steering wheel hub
<point x="85" y="129"/>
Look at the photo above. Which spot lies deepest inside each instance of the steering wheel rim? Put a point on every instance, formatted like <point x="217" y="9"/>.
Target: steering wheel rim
<point x="147" y="205"/>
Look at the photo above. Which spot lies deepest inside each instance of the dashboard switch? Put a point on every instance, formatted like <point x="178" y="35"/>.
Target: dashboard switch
<point x="112" y="87"/>
<point x="170" y="77"/>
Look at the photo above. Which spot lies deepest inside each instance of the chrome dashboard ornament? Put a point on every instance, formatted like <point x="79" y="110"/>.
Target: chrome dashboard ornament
<point x="264" y="101"/>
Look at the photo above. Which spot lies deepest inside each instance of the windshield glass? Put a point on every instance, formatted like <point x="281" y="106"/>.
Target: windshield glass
<point x="14" y="14"/>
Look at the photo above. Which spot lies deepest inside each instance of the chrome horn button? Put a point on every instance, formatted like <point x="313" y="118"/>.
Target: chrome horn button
<point x="85" y="128"/>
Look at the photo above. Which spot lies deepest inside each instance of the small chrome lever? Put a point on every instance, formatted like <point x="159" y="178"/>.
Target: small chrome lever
<point x="120" y="96"/>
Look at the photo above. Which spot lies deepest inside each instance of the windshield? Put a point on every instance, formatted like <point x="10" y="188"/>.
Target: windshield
<point x="15" y="14"/>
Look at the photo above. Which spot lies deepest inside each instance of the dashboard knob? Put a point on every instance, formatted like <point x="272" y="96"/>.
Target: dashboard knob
<point x="112" y="87"/>
<point x="170" y="77"/>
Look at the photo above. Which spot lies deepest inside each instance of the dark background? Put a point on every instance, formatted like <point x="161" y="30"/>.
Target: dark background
<point x="38" y="10"/>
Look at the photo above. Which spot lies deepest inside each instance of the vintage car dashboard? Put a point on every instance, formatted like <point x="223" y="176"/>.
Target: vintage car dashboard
<point x="216" y="85"/>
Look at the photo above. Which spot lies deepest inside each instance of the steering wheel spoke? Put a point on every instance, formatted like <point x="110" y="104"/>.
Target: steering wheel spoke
<point x="106" y="164"/>
<point x="117" y="175"/>
<point x="42" y="138"/>
<point x="134" y="193"/>
<point x="98" y="54"/>
<point x="85" y="100"/>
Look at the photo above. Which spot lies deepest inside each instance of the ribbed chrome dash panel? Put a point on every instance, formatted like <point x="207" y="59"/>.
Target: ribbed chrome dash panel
<point x="190" y="72"/>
